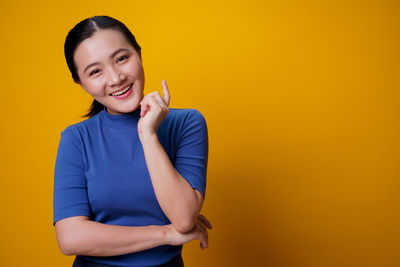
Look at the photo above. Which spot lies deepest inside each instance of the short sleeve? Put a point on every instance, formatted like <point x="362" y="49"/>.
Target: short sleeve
<point x="70" y="196"/>
<point x="192" y="153"/>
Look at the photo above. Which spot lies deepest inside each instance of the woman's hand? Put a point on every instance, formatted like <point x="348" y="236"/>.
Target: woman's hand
<point x="199" y="232"/>
<point x="154" y="109"/>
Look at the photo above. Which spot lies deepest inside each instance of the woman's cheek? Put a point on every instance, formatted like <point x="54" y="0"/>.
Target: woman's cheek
<point x="132" y="68"/>
<point x="99" y="86"/>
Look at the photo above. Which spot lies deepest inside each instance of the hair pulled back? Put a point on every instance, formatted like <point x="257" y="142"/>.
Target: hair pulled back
<point x="85" y="29"/>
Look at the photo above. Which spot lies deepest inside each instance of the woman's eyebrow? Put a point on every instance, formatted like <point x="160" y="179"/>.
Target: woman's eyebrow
<point x="111" y="56"/>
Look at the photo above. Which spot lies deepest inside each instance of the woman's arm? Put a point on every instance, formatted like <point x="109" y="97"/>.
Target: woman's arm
<point x="78" y="235"/>
<point x="179" y="201"/>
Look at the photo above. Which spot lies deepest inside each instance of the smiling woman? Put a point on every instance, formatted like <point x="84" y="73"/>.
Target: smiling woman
<point x="129" y="181"/>
<point x="110" y="65"/>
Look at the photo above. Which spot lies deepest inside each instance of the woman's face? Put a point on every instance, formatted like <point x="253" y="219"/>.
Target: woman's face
<point x="110" y="70"/>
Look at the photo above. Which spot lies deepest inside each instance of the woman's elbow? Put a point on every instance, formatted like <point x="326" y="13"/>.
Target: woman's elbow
<point x="66" y="247"/>
<point x="69" y="237"/>
<point x="67" y="252"/>
<point x="188" y="219"/>
<point x="68" y="244"/>
<point x="185" y="225"/>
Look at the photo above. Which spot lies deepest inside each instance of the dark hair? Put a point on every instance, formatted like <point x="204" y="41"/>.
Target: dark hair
<point x="85" y="29"/>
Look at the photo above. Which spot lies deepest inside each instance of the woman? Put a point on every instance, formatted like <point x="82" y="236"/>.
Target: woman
<point x="129" y="181"/>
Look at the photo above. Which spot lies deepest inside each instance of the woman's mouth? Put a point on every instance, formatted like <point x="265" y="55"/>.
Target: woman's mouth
<point x="125" y="92"/>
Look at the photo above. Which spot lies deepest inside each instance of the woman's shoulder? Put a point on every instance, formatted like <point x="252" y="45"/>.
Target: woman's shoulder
<point x="184" y="118"/>
<point x="184" y="125"/>
<point x="185" y="113"/>
<point x="78" y="127"/>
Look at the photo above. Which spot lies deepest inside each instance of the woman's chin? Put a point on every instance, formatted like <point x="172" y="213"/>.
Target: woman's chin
<point x="121" y="110"/>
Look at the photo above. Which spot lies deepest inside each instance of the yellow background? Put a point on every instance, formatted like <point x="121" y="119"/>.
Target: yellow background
<point x="302" y="104"/>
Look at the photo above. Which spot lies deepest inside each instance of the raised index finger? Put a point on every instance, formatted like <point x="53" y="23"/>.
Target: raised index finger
<point x="165" y="92"/>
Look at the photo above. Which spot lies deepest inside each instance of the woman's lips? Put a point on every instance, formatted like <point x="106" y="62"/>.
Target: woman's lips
<point x="124" y="95"/>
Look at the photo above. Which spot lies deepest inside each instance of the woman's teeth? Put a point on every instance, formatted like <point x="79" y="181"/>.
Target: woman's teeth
<point x="123" y="91"/>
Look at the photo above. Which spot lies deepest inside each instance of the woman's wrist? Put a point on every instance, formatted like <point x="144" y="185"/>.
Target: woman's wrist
<point x="148" y="138"/>
<point x="172" y="237"/>
<point x="166" y="234"/>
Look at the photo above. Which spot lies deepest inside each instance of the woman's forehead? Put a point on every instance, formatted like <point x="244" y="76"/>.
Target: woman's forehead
<point x="101" y="45"/>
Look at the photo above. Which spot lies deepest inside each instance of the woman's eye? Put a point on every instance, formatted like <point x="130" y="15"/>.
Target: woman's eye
<point x="94" y="72"/>
<point x="121" y="58"/>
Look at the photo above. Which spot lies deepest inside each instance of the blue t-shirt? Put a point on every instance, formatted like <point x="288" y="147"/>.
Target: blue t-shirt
<point x="101" y="172"/>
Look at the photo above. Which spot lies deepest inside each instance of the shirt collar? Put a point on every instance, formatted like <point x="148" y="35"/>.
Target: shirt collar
<point x="125" y="120"/>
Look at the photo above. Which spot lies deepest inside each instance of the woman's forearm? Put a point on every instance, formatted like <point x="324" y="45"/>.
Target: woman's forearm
<point x="92" y="238"/>
<point x="175" y="195"/>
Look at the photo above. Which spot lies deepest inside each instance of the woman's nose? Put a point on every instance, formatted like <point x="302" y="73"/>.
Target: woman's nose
<point x="114" y="77"/>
